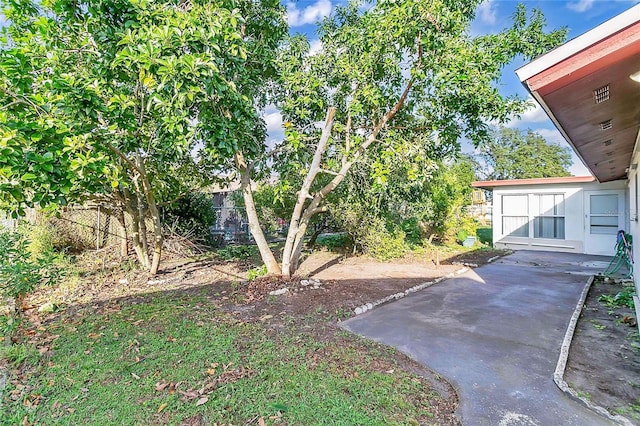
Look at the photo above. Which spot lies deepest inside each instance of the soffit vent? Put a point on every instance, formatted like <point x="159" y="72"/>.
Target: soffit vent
<point x="606" y="125"/>
<point x="608" y="142"/>
<point x="601" y="94"/>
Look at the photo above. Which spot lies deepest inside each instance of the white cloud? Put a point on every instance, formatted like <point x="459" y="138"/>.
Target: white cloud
<point x="315" y="46"/>
<point x="551" y="135"/>
<point x="309" y="15"/>
<point x="487" y="12"/>
<point x="533" y="115"/>
<point x="580" y="5"/>
<point x="273" y="119"/>
<point x="577" y="168"/>
<point x="274" y="122"/>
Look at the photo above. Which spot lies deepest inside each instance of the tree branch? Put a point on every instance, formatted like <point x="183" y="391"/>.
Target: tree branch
<point x="21" y="100"/>
<point x="329" y="172"/>
<point x="120" y="154"/>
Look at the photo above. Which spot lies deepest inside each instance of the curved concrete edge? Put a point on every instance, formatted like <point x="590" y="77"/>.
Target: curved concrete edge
<point x="368" y="306"/>
<point x="558" y="375"/>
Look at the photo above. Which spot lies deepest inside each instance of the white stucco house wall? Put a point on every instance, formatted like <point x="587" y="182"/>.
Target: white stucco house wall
<point x="569" y="214"/>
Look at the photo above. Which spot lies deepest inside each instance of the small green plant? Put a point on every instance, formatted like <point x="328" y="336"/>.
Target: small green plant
<point x="622" y="298"/>
<point x="237" y="252"/>
<point x="19" y="272"/>
<point x="584" y="395"/>
<point x="485" y="235"/>
<point x="597" y="325"/>
<point x="254" y="273"/>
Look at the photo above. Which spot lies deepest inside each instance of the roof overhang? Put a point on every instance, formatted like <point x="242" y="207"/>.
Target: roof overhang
<point x="585" y="88"/>
<point x="489" y="184"/>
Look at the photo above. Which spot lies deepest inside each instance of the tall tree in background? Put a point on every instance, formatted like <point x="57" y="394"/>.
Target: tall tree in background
<point x="389" y="72"/>
<point x="107" y="100"/>
<point x="516" y="154"/>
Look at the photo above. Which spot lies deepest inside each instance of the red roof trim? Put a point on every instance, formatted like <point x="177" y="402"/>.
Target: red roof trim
<point x="536" y="181"/>
<point x="601" y="54"/>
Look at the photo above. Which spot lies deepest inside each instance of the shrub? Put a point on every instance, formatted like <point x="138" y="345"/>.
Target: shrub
<point x="21" y="271"/>
<point x="41" y="237"/>
<point x="237" y="252"/>
<point x="384" y="245"/>
<point x="413" y="231"/>
<point x="335" y="241"/>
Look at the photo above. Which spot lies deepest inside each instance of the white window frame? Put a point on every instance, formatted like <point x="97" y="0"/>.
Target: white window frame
<point x="533" y="214"/>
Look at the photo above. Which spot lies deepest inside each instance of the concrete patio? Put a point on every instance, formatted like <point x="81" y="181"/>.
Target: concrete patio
<point x="495" y="333"/>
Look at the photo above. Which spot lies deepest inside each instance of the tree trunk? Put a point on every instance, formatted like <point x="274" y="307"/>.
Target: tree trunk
<point x="314" y="237"/>
<point x="252" y="216"/>
<point x="124" y="250"/>
<point x="296" y="233"/>
<point x="141" y="215"/>
<point x="155" y="217"/>
<point x="132" y="209"/>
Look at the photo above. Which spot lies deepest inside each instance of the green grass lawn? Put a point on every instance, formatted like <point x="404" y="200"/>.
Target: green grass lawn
<point x="175" y="360"/>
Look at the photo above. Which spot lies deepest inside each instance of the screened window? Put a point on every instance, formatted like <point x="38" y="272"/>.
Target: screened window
<point x="604" y="214"/>
<point x="548" y="221"/>
<point x="515" y="215"/>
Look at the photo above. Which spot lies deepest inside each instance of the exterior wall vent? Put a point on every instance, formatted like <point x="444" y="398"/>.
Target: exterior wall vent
<point x="606" y="125"/>
<point x="601" y="94"/>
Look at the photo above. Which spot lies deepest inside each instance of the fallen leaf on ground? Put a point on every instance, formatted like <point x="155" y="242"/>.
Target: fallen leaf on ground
<point x="202" y="400"/>
<point x="161" y="386"/>
<point x="162" y="407"/>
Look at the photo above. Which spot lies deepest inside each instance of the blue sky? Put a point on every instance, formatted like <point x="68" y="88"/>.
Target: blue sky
<point x="578" y="16"/>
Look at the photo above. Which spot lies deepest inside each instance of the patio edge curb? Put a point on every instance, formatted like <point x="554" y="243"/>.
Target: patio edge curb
<point x="396" y="296"/>
<point x="558" y="375"/>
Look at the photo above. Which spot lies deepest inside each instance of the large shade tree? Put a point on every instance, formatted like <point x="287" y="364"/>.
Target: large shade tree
<point x="389" y="72"/>
<point x="110" y="100"/>
<point x="516" y="154"/>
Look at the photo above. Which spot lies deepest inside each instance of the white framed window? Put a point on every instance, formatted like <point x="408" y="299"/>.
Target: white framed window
<point x="533" y="216"/>
<point x="603" y="214"/>
<point x="515" y="215"/>
<point x="548" y="216"/>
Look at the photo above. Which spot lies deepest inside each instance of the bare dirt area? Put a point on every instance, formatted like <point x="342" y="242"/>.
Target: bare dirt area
<point x="604" y="359"/>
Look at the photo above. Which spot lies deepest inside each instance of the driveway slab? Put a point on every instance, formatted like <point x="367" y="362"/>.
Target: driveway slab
<point x="495" y="332"/>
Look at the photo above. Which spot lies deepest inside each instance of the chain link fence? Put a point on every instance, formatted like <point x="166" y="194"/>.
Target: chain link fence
<point x="90" y="227"/>
<point x="97" y="227"/>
